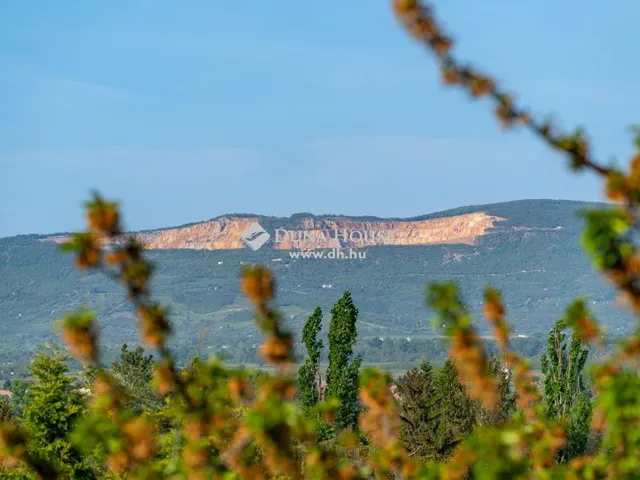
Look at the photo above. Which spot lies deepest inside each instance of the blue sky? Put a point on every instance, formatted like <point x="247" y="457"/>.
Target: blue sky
<point x="185" y="111"/>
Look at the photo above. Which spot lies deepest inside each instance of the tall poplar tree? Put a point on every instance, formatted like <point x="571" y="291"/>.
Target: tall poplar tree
<point x="565" y="393"/>
<point x="309" y="380"/>
<point x="344" y="371"/>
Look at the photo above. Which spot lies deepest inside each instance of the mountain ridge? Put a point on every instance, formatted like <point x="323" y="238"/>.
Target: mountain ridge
<point x="539" y="268"/>
<point x="426" y="216"/>
<point x="454" y="226"/>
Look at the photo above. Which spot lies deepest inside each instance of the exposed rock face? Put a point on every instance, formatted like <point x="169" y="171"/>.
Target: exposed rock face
<point x="345" y="232"/>
<point x="309" y="232"/>
<point x="221" y="234"/>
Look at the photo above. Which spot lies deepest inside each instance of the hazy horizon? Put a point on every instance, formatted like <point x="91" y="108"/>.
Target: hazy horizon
<point x="286" y="217"/>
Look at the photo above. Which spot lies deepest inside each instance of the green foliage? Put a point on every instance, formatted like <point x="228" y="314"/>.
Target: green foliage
<point x="19" y="389"/>
<point x="438" y="414"/>
<point x="343" y="369"/>
<point x="52" y="409"/>
<point x="607" y="238"/>
<point x="309" y="380"/>
<point x="456" y="411"/>
<point x="506" y="406"/>
<point x="420" y="412"/>
<point x="619" y="404"/>
<point x="256" y="376"/>
<point x="5" y="409"/>
<point x="579" y="428"/>
<point x="565" y="393"/>
<point x="87" y="375"/>
<point x="134" y="372"/>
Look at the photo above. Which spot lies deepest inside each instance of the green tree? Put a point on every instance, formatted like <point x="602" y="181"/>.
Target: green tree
<point x="344" y="370"/>
<point x="19" y="389"/>
<point x="458" y="414"/>
<point x="87" y="376"/>
<point x="419" y="411"/>
<point x="309" y="379"/>
<point x="565" y="394"/>
<point x="53" y="406"/>
<point x="437" y="412"/>
<point x="134" y="371"/>
<point x="5" y="409"/>
<point x="256" y="375"/>
<point x="507" y="398"/>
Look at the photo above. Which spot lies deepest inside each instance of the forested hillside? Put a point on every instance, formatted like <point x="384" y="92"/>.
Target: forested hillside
<point x="539" y="266"/>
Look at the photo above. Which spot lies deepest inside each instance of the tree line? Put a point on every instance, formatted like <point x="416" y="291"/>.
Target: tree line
<point x="434" y="406"/>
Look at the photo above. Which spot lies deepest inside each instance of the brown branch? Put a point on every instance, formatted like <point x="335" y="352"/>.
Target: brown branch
<point x="419" y="21"/>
